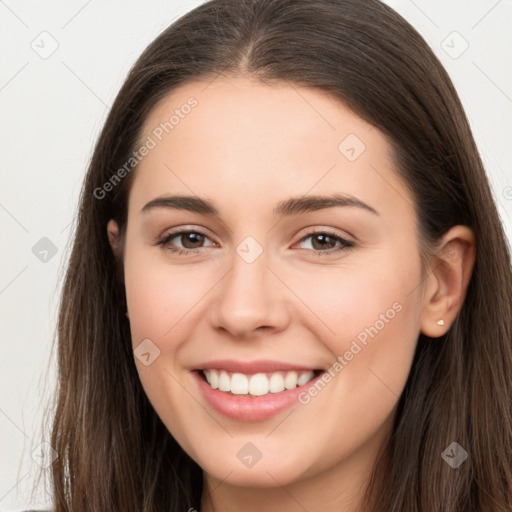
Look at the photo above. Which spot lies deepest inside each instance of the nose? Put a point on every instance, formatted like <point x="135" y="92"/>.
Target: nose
<point x="250" y="299"/>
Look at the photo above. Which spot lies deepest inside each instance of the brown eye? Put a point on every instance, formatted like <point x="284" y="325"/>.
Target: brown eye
<point x="191" y="242"/>
<point x="323" y="242"/>
<point x="191" y="239"/>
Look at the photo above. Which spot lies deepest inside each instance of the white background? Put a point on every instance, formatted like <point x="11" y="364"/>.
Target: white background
<point x="51" y="112"/>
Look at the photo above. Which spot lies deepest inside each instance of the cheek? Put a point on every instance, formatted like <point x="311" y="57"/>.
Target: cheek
<point x="368" y="317"/>
<point x="342" y="304"/>
<point x="375" y="318"/>
<point x="159" y="295"/>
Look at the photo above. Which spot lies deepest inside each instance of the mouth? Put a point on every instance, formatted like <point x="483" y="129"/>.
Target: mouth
<point x="256" y="384"/>
<point x="252" y="391"/>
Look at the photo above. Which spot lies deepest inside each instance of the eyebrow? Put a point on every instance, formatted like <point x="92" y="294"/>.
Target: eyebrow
<point x="289" y="207"/>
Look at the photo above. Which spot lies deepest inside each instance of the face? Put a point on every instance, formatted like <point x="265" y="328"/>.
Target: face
<point x="305" y="312"/>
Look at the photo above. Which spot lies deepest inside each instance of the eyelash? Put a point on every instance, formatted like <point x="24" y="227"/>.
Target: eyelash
<point x="345" y="244"/>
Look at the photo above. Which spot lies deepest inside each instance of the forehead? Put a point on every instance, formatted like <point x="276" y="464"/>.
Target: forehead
<point x="223" y="105"/>
<point x="244" y="140"/>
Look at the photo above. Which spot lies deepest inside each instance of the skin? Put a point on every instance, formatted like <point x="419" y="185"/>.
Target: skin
<point x="246" y="147"/>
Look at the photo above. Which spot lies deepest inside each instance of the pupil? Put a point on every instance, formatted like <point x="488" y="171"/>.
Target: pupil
<point x="190" y="238"/>
<point x="324" y="238"/>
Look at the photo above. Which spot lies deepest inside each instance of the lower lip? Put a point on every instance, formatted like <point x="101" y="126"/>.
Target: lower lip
<point x="249" y="408"/>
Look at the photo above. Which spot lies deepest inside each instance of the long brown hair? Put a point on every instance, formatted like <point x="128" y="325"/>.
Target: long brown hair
<point x="114" y="453"/>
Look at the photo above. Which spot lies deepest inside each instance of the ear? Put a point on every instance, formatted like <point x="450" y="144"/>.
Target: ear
<point x="447" y="283"/>
<point x="113" y="237"/>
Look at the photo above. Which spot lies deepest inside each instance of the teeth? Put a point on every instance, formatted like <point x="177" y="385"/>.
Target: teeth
<point x="224" y="381"/>
<point x="258" y="384"/>
<point x="304" y="377"/>
<point x="239" y="384"/>
<point x="276" y="383"/>
<point x="290" y="381"/>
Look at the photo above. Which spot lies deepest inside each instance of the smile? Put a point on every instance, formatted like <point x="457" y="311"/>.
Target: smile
<point x="258" y="384"/>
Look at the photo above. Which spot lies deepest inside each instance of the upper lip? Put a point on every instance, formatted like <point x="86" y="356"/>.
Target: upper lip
<point x="251" y="367"/>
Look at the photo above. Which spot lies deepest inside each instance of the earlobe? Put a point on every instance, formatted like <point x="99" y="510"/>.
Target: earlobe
<point x="113" y="236"/>
<point x="447" y="284"/>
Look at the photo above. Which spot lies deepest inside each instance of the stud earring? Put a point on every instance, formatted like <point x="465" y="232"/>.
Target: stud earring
<point x="440" y="322"/>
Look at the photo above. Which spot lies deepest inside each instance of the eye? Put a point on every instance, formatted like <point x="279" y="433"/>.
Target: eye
<point x="324" y="242"/>
<point x="191" y="241"/>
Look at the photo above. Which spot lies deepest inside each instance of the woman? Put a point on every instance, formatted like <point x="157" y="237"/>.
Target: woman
<point x="339" y="337"/>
